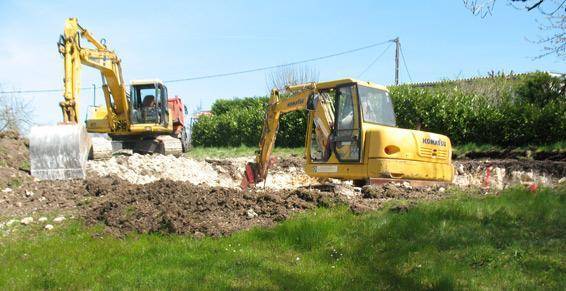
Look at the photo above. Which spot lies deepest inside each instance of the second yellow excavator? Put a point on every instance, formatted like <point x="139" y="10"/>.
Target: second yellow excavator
<point x="352" y="135"/>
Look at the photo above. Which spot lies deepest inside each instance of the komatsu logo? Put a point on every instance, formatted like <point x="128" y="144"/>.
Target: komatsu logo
<point x="436" y="142"/>
<point x="294" y="103"/>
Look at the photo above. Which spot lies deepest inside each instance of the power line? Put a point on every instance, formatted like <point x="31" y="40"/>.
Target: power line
<point x="405" y="65"/>
<point x="225" y="74"/>
<point x="278" y="66"/>
<point x="375" y="60"/>
<point x="38" y="91"/>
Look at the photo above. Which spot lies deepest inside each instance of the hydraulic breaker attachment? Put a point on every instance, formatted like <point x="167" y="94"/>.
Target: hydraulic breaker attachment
<point x="250" y="176"/>
<point x="59" y="152"/>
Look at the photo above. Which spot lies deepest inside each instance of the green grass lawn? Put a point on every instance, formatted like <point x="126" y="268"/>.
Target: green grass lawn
<point x="201" y="153"/>
<point x="243" y="151"/>
<point x="472" y="147"/>
<point x="516" y="240"/>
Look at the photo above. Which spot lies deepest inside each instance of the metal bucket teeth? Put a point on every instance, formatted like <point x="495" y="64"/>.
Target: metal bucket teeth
<point x="59" y="152"/>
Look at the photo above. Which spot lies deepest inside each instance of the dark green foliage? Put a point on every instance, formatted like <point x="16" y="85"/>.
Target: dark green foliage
<point x="533" y="112"/>
<point x="541" y="88"/>
<point x="503" y="110"/>
<point x="240" y="122"/>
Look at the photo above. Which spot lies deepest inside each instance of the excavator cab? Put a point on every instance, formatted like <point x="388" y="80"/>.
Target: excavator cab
<point x="149" y="102"/>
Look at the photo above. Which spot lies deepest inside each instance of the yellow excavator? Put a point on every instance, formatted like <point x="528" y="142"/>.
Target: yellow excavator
<point x="352" y="135"/>
<point x="142" y="120"/>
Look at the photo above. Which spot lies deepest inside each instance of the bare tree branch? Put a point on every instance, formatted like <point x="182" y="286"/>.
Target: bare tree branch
<point x="15" y="113"/>
<point x="529" y="8"/>
<point x="291" y="75"/>
<point x="554" y="41"/>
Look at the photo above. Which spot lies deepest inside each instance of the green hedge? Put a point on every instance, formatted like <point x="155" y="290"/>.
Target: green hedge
<point x="240" y="122"/>
<point x="503" y="111"/>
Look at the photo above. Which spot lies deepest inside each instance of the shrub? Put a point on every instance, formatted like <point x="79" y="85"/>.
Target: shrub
<point x="504" y="111"/>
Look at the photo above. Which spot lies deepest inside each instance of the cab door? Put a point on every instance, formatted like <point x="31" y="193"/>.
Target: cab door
<point x="347" y="131"/>
<point x="163" y="104"/>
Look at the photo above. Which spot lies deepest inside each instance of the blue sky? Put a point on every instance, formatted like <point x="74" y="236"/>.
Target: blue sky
<point x="174" y="39"/>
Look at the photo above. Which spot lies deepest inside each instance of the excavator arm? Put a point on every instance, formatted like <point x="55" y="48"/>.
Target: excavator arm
<point x="302" y="97"/>
<point x="61" y="151"/>
<point x="100" y="58"/>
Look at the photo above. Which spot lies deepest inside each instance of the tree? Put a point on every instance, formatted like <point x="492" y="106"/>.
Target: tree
<point x="291" y="75"/>
<point x="553" y="22"/>
<point x="15" y="113"/>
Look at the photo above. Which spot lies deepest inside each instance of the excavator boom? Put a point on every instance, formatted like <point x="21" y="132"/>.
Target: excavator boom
<point x="301" y="97"/>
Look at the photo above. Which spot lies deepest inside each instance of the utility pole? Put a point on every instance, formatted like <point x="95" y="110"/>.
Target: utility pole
<point x="397" y="49"/>
<point x="94" y="94"/>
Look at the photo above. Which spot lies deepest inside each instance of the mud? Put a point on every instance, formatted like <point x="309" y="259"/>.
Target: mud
<point x="183" y="208"/>
<point x="14" y="160"/>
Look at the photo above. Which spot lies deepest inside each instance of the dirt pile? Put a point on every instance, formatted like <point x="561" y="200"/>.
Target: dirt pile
<point x="183" y="208"/>
<point x="14" y="160"/>
<point x="41" y="197"/>
<point x="287" y="173"/>
<point x="14" y="151"/>
<point x="167" y="206"/>
<point x="143" y="169"/>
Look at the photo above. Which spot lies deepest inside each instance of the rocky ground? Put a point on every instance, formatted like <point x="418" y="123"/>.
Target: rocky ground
<point x="181" y="195"/>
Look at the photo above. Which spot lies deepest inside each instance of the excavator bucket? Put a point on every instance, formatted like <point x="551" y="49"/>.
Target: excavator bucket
<point x="59" y="152"/>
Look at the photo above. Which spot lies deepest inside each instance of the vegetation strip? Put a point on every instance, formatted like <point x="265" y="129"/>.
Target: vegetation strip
<point x="511" y="241"/>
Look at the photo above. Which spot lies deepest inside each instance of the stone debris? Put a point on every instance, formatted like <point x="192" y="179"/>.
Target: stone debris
<point x="7" y="190"/>
<point x="407" y="185"/>
<point x="48" y="227"/>
<point x="42" y="219"/>
<point x="499" y="175"/>
<point x="251" y="213"/>
<point x="26" y="220"/>
<point x="11" y="222"/>
<point x="29" y="193"/>
<point x="460" y="169"/>
<point x="59" y="219"/>
<point x="143" y="169"/>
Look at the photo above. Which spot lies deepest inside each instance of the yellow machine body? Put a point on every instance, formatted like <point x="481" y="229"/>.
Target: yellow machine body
<point x="364" y="144"/>
<point x="97" y="122"/>
<point x="387" y="152"/>
<point x="413" y="159"/>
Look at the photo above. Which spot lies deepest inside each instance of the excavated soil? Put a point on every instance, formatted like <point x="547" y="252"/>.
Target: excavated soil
<point x="14" y="160"/>
<point x="164" y="194"/>
<point x="183" y="208"/>
<point x="171" y="207"/>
